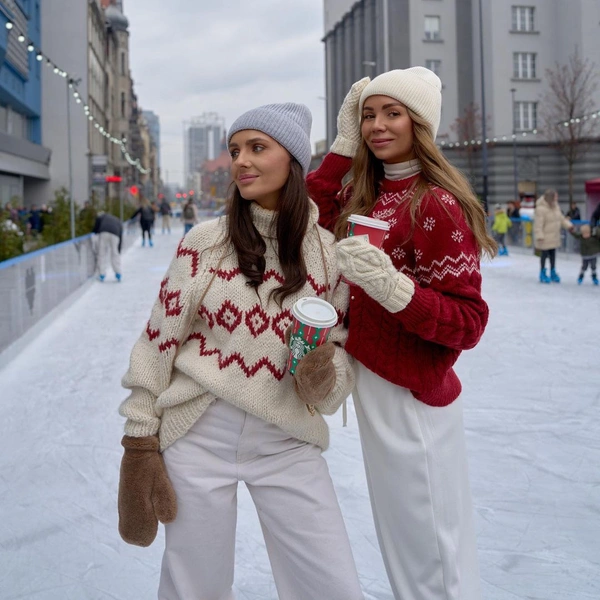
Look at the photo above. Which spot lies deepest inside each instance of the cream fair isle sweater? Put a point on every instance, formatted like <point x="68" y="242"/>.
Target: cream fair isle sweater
<point x="236" y="349"/>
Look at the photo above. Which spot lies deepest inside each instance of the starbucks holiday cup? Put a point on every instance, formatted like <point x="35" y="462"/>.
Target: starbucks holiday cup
<point x="312" y="321"/>
<point x="373" y="229"/>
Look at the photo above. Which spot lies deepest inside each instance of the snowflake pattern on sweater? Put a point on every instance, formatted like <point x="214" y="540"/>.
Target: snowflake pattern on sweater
<point x="417" y="346"/>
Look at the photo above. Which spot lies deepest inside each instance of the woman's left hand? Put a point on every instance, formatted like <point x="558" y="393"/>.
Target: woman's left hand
<point x="372" y="270"/>
<point x="315" y="375"/>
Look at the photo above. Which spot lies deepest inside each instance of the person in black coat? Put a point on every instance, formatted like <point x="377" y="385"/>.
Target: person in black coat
<point x="573" y="212"/>
<point x="146" y="220"/>
<point x="595" y="218"/>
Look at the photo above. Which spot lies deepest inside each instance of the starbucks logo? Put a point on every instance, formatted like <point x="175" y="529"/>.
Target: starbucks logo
<point x="298" y="347"/>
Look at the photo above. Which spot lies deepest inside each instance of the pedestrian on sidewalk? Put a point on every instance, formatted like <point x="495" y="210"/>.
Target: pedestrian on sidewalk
<point x="589" y="248"/>
<point x="212" y="402"/>
<point x="547" y="222"/>
<point x="109" y="230"/>
<point x="189" y="215"/>
<point x="147" y="215"/>
<point x="501" y="225"/>
<point x="165" y="212"/>
<point x="415" y="305"/>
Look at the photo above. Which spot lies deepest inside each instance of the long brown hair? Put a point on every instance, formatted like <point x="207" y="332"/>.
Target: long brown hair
<point x="368" y="173"/>
<point x="293" y="212"/>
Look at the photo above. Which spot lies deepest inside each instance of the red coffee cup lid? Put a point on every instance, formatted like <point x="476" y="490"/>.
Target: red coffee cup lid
<point x="315" y="312"/>
<point x="369" y="222"/>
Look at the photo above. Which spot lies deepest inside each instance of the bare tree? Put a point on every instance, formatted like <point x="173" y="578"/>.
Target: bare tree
<point x="569" y="98"/>
<point x="467" y="128"/>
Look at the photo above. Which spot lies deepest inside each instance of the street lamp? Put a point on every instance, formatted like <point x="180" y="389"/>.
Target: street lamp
<point x="484" y="154"/>
<point x="70" y="84"/>
<point x="514" y="144"/>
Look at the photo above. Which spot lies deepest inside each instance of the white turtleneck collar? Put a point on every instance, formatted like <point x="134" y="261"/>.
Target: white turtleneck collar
<point x="264" y="219"/>
<point x="402" y="170"/>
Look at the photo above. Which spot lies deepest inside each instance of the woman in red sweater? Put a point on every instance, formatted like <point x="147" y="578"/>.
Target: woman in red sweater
<point x="414" y="306"/>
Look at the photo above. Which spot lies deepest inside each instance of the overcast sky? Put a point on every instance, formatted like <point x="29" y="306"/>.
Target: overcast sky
<point x="227" y="56"/>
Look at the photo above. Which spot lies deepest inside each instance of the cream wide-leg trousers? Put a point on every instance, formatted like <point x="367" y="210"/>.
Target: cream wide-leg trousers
<point x="416" y="467"/>
<point x="290" y="485"/>
<point x="108" y="245"/>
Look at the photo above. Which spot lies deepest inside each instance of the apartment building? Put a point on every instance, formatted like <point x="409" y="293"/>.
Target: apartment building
<point x="23" y="158"/>
<point x="521" y="39"/>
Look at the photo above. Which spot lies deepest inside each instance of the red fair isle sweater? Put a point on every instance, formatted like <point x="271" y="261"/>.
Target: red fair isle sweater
<point x="417" y="347"/>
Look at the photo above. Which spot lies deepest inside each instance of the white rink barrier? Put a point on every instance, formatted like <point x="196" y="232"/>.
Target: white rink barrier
<point x="34" y="284"/>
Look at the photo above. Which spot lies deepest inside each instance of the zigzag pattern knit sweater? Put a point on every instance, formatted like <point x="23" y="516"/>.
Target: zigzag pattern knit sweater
<point x="416" y="347"/>
<point x="236" y="349"/>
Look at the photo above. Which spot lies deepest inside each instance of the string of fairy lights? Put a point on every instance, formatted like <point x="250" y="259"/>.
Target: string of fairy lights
<point x="523" y="134"/>
<point x="40" y="56"/>
<point x="73" y="86"/>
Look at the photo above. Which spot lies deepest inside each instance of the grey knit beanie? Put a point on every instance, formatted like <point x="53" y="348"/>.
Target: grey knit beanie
<point x="289" y="124"/>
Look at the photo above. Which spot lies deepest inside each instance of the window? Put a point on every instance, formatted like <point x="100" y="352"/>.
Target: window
<point x="524" y="65"/>
<point x="123" y="72"/>
<point x="525" y="116"/>
<point x="122" y="104"/>
<point x="432" y="28"/>
<point x="522" y="18"/>
<point x="435" y="65"/>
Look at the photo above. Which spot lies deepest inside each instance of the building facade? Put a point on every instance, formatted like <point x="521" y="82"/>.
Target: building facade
<point x="24" y="161"/>
<point x="520" y="41"/>
<point x="153" y="122"/>
<point x="203" y="138"/>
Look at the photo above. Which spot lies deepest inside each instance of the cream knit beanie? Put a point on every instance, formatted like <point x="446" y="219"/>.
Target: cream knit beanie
<point x="417" y="88"/>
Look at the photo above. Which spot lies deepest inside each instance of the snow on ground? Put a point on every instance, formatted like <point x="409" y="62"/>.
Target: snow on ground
<point x="531" y="391"/>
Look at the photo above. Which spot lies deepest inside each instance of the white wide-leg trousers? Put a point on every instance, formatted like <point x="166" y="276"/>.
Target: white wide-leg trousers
<point x="108" y="245"/>
<point x="416" y="467"/>
<point x="290" y="485"/>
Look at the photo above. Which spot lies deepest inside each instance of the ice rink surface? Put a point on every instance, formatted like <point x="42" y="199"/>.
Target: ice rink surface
<point x="532" y="412"/>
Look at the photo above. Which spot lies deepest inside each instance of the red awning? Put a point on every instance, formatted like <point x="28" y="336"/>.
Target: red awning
<point x="592" y="186"/>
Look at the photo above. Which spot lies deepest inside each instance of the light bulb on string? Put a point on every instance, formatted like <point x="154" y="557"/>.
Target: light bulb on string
<point x="31" y="47"/>
<point x="40" y="57"/>
<point x="9" y="25"/>
<point x="21" y="38"/>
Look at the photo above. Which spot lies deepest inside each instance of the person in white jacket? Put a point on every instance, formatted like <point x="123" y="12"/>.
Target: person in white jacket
<point x="548" y="221"/>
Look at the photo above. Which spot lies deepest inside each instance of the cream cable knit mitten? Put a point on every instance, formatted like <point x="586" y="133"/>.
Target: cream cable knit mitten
<point x="348" y="121"/>
<point x="372" y="269"/>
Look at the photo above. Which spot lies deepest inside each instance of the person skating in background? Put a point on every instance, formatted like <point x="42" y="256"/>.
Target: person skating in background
<point x="415" y="305"/>
<point x="500" y="227"/>
<point x="595" y="218"/>
<point x="589" y="248"/>
<point x="165" y="212"/>
<point x="147" y="216"/>
<point x="547" y="223"/>
<point x="573" y="213"/>
<point x="109" y="230"/>
<point x="189" y="215"/>
<point x="212" y="402"/>
<point x="513" y="212"/>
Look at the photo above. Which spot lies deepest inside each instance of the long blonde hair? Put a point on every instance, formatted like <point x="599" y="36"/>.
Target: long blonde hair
<point x="367" y="174"/>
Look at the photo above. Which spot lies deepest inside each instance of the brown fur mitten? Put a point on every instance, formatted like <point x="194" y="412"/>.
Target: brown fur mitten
<point x="146" y="495"/>
<point x="315" y="374"/>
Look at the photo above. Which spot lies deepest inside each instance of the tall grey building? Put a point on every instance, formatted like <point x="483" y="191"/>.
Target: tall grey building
<point x="521" y="39"/>
<point x="203" y="136"/>
<point x="153" y="121"/>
